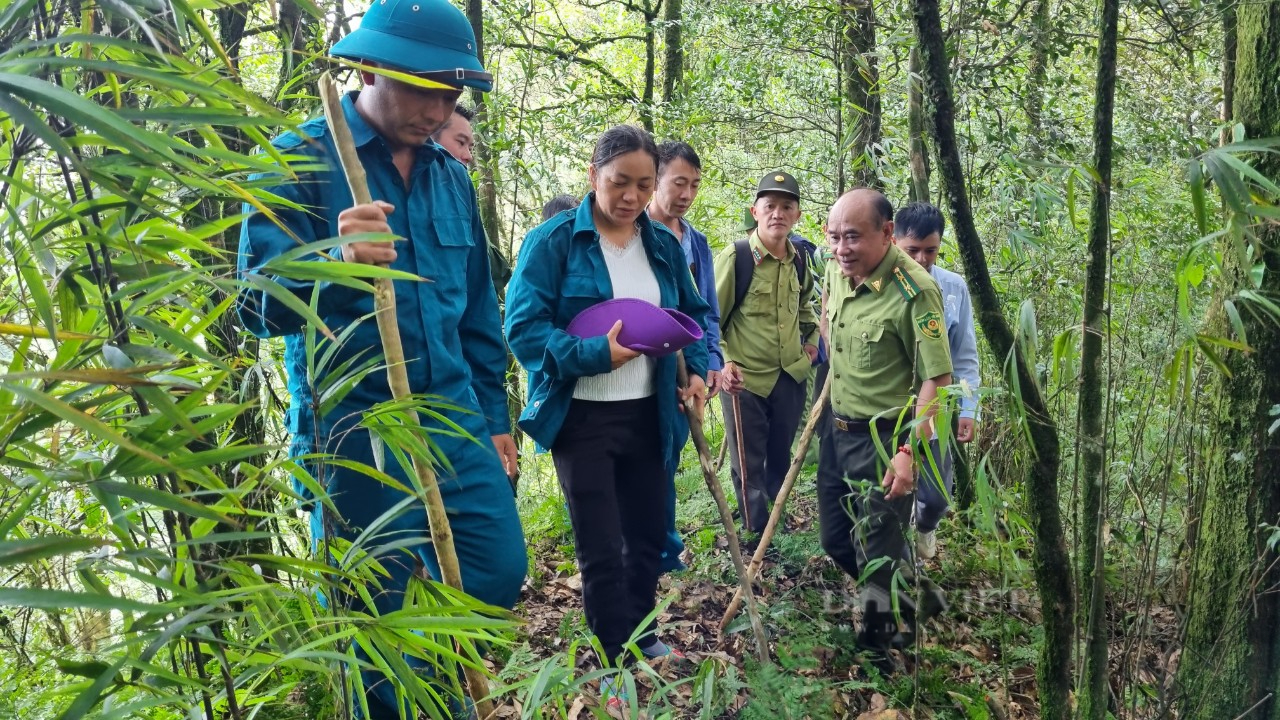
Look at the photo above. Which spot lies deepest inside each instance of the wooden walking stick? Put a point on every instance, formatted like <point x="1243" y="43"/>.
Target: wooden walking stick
<point x="779" y="503"/>
<point x="726" y="517"/>
<point x="384" y="300"/>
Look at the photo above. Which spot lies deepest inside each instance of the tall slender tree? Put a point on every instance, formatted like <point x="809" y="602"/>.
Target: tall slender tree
<point x="673" y="65"/>
<point x="862" y="89"/>
<point x="1051" y="562"/>
<point x="1092" y="437"/>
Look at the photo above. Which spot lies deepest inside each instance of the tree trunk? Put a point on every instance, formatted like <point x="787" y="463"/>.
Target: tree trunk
<point x="915" y="130"/>
<point x="1094" y="692"/>
<point x="1230" y="665"/>
<point x="1037" y="71"/>
<point x="1229" y="42"/>
<point x="1050" y="561"/>
<point x="673" y="71"/>
<point x="487" y="194"/>
<point x="862" y="89"/>
<point x="650" y="65"/>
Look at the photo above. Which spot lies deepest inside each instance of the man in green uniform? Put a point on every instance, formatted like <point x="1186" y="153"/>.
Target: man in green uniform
<point x="769" y="334"/>
<point x="889" y="356"/>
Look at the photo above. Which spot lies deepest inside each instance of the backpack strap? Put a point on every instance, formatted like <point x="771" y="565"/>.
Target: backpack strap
<point x="744" y="266"/>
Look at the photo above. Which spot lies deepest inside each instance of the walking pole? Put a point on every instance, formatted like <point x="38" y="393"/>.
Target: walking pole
<point x="384" y="299"/>
<point x="742" y="459"/>
<point x="780" y="503"/>
<point x="726" y="517"/>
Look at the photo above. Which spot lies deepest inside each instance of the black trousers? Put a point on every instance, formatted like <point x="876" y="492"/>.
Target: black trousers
<point x="859" y="527"/>
<point x="768" y="429"/>
<point x="608" y="459"/>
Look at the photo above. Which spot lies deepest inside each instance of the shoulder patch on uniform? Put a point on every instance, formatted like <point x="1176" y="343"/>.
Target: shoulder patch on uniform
<point x="757" y="255"/>
<point x="906" y="285"/>
<point x="875" y="284"/>
<point x="930" y="324"/>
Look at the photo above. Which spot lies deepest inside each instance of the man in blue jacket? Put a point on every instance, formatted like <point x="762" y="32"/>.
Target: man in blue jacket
<point x="448" y="324"/>
<point x="917" y="229"/>
<point x="679" y="176"/>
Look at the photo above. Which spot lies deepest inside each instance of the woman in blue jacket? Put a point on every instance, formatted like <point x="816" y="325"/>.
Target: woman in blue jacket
<point x="608" y="414"/>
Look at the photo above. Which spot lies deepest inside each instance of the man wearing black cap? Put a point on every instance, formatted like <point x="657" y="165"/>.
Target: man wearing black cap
<point x="769" y="334"/>
<point x="449" y="326"/>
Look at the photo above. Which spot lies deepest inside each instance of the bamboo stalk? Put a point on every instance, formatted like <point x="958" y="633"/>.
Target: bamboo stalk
<point x="726" y="517"/>
<point x="384" y="299"/>
<point x="779" y="503"/>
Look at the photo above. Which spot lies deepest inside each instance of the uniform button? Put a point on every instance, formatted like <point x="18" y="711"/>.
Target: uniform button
<point x="839" y="349"/>
<point x="841" y="324"/>
<point x="537" y="403"/>
<point x="837" y="376"/>
<point x="864" y="336"/>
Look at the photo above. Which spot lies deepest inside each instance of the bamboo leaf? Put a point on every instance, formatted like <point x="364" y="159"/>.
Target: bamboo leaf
<point x="14" y="552"/>
<point x="44" y="599"/>
<point x="40" y="333"/>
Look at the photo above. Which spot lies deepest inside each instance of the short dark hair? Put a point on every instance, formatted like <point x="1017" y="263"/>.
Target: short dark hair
<point x="557" y="205"/>
<point x="919" y="220"/>
<point x="672" y="150"/>
<point x="620" y="140"/>
<point x="461" y="111"/>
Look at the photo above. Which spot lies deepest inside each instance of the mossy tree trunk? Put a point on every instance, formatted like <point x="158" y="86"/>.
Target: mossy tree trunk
<point x="1051" y="563"/>
<point x="673" y="64"/>
<point x="1230" y="665"/>
<point x="1093" y="441"/>
<point x="862" y="89"/>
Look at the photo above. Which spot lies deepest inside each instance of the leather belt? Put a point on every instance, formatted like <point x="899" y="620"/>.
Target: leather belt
<point x="850" y="424"/>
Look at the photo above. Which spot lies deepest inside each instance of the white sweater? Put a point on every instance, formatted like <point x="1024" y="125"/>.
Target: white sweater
<point x="632" y="277"/>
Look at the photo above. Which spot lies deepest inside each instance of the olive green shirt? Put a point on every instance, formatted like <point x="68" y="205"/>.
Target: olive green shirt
<point x="887" y="336"/>
<point x="766" y="335"/>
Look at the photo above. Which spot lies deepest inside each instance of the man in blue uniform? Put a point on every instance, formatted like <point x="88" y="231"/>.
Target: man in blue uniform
<point x="917" y="230"/>
<point x="679" y="177"/>
<point x="448" y="324"/>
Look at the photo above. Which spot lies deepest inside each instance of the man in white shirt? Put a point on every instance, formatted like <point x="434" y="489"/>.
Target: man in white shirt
<point x="918" y="231"/>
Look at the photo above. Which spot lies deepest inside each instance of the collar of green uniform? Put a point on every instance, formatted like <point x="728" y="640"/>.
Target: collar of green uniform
<point x="880" y="278"/>
<point x="757" y="244"/>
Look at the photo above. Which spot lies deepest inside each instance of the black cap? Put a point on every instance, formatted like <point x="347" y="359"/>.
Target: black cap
<point x="779" y="182"/>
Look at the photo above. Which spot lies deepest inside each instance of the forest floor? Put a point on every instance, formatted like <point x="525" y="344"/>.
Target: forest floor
<point x="976" y="661"/>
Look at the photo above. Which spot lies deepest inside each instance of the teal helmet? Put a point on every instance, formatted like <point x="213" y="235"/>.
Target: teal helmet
<point x="430" y="38"/>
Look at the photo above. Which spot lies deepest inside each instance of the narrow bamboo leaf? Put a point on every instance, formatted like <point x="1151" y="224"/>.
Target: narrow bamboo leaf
<point x="40" y="332"/>
<point x="15" y="552"/>
<point x="62" y="599"/>
<point x="89" y="424"/>
<point x="279" y="292"/>
<point x="83" y="668"/>
<point x="161" y="499"/>
<point x="1237" y="325"/>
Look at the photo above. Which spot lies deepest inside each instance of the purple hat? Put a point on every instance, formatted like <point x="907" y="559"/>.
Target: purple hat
<point x="646" y="328"/>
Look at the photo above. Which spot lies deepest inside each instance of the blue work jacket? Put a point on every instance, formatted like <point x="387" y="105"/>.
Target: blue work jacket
<point x="449" y="321"/>
<point x="697" y="252"/>
<point x="560" y="272"/>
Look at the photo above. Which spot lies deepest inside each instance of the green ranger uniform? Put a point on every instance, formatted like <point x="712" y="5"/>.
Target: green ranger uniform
<point x="762" y="336"/>
<point x="887" y="337"/>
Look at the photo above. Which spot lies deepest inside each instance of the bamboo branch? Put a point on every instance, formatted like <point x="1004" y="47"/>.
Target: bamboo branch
<point x="779" y="503"/>
<point x="384" y="299"/>
<point x="726" y="517"/>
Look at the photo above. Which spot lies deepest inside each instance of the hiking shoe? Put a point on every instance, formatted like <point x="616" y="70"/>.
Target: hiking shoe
<point x="927" y="544"/>
<point x="658" y="649"/>
<point x="613" y="691"/>
<point x="881" y="659"/>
